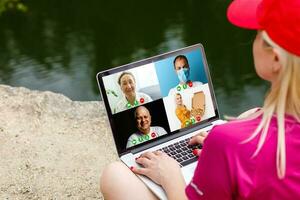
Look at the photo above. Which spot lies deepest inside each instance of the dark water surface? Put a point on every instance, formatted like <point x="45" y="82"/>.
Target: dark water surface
<point x="61" y="45"/>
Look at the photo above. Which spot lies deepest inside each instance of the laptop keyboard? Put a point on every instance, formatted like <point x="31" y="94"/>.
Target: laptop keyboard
<point x="182" y="152"/>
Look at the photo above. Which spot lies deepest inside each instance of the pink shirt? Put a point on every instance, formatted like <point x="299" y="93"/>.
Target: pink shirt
<point x="226" y="170"/>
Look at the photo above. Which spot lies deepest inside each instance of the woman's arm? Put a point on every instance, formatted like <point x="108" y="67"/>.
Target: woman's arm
<point x="175" y="188"/>
<point x="213" y="175"/>
<point x="165" y="171"/>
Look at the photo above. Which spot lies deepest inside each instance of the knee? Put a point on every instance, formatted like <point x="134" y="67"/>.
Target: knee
<point x="109" y="176"/>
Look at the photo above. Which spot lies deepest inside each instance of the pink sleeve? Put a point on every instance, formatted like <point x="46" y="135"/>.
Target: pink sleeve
<point x="213" y="177"/>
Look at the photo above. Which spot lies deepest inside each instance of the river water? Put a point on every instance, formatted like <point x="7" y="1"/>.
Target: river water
<point x="61" y="45"/>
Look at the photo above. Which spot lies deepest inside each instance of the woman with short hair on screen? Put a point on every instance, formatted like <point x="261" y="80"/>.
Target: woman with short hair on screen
<point x="252" y="158"/>
<point x="130" y="98"/>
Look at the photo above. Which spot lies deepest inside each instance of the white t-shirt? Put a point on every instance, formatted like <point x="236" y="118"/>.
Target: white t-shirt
<point x="183" y="87"/>
<point x="138" y="137"/>
<point x="122" y="104"/>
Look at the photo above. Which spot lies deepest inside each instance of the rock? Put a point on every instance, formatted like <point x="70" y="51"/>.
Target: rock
<point x="50" y="146"/>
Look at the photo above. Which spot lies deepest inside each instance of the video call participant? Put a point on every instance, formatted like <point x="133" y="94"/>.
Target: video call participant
<point x="145" y="130"/>
<point x="182" y="113"/>
<point x="182" y="69"/>
<point x="130" y="97"/>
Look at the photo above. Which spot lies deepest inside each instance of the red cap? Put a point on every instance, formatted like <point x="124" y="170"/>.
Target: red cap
<point x="279" y="18"/>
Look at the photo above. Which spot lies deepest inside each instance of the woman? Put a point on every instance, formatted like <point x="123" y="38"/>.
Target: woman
<point x="131" y="98"/>
<point x="253" y="158"/>
<point x="182" y="113"/>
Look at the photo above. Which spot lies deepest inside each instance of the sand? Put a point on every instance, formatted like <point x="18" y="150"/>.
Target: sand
<point x="50" y="146"/>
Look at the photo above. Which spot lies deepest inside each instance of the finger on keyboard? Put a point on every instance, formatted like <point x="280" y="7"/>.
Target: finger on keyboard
<point x="197" y="139"/>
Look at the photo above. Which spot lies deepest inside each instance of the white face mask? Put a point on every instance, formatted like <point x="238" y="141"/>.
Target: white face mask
<point x="183" y="74"/>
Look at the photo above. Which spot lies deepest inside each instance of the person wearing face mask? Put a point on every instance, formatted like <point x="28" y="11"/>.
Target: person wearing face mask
<point x="182" y="68"/>
<point x="145" y="130"/>
<point x="131" y="98"/>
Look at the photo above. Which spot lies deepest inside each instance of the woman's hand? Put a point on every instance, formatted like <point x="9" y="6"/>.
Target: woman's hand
<point x="158" y="166"/>
<point x="163" y="170"/>
<point x="196" y="140"/>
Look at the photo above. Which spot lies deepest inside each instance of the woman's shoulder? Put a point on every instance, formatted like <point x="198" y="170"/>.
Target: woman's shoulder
<point x="144" y="95"/>
<point x="233" y="132"/>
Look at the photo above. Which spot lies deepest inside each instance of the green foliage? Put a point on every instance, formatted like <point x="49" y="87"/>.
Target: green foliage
<point x="6" y="5"/>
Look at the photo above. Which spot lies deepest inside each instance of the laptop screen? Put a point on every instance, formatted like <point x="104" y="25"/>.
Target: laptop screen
<point x="157" y="97"/>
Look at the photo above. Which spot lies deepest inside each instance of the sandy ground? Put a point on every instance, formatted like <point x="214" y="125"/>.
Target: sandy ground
<point x="51" y="147"/>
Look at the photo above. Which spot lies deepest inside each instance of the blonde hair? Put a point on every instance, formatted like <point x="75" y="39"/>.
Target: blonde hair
<point x="284" y="97"/>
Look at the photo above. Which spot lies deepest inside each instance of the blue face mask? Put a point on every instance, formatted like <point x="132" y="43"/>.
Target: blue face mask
<point x="183" y="74"/>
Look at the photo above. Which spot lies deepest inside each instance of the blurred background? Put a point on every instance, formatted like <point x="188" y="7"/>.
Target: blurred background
<point x="61" y="45"/>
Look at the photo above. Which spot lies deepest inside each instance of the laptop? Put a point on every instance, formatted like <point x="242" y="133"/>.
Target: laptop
<point x="159" y="103"/>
